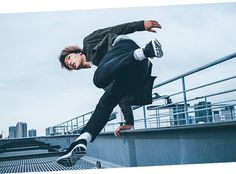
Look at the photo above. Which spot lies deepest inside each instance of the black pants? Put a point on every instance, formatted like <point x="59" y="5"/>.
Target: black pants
<point x="121" y="75"/>
<point x="126" y="109"/>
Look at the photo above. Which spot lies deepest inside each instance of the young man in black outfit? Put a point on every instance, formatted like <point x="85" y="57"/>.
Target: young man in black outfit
<point x="123" y="70"/>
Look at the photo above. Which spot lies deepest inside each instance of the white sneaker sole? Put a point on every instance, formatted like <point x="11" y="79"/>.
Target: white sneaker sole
<point x="69" y="159"/>
<point x="156" y="44"/>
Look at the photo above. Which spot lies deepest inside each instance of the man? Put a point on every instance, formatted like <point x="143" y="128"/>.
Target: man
<point x="123" y="70"/>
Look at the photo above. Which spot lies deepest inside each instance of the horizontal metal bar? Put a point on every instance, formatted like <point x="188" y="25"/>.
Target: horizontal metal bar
<point x="197" y="98"/>
<point x="88" y="113"/>
<point x="223" y="59"/>
<point x="198" y="87"/>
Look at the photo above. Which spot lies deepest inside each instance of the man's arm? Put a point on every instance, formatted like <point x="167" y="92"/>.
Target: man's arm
<point x="135" y="26"/>
<point x="126" y="28"/>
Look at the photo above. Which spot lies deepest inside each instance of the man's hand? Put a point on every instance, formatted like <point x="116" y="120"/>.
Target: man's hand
<point x="148" y="25"/>
<point x="124" y="127"/>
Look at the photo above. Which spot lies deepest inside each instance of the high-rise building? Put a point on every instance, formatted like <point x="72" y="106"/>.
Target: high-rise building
<point x="50" y="131"/>
<point x="21" y="130"/>
<point x="12" y="132"/>
<point x="216" y="116"/>
<point x="203" y="112"/>
<point x="228" y="113"/>
<point x="177" y="113"/>
<point x="32" y="133"/>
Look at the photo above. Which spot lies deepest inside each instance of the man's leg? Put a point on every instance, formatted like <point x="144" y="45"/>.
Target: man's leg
<point x="96" y="123"/>
<point x="112" y="96"/>
<point x="115" y="63"/>
<point x="126" y="52"/>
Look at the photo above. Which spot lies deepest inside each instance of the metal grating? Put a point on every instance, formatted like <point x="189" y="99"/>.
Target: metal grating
<point x="45" y="164"/>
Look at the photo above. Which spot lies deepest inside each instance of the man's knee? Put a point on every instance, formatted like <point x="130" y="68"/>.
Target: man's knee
<point x="98" y="82"/>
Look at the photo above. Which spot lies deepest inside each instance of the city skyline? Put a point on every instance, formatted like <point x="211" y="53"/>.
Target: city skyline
<point x="204" y="112"/>
<point x="20" y="130"/>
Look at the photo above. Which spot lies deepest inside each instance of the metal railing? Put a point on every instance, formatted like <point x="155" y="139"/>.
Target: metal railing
<point x="210" y="101"/>
<point x="75" y="125"/>
<point x="72" y="126"/>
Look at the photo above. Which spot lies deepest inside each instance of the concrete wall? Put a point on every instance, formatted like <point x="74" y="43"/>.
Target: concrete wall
<point x="181" y="145"/>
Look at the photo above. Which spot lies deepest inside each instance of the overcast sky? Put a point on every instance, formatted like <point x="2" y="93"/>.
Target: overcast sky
<point x="33" y="87"/>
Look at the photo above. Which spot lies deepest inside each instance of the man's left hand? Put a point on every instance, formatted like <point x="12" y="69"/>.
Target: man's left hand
<point x="124" y="127"/>
<point x="150" y="24"/>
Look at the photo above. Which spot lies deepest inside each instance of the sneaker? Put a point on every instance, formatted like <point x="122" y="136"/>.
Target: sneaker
<point x="153" y="49"/>
<point x="75" y="151"/>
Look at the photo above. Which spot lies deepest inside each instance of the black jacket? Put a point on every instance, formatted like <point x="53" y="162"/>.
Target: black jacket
<point x="98" y="43"/>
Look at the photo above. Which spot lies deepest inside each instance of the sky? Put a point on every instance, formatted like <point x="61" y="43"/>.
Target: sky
<point x="33" y="87"/>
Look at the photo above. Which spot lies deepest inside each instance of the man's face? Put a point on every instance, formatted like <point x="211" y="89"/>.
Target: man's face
<point x="76" y="61"/>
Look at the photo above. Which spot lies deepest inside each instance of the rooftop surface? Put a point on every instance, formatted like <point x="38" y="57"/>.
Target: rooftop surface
<point x="44" y="164"/>
<point x="30" y="155"/>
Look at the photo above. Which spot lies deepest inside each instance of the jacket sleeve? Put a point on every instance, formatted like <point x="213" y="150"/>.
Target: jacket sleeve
<point x="126" y="28"/>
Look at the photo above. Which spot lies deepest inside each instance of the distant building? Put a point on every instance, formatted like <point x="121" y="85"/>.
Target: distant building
<point x="203" y="112"/>
<point x="21" y="130"/>
<point x="50" y="131"/>
<point x="216" y="116"/>
<point x="12" y="132"/>
<point x="32" y="133"/>
<point x="47" y="130"/>
<point x="177" y="113"/>
<point x="228" y="113"/>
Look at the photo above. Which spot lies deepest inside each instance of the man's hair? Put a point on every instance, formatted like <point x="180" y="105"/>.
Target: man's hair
<point x="65" y="52"/>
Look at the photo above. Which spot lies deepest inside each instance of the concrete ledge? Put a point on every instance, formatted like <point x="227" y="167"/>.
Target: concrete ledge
<point x="180" y="127"/>
<point x="194" y="144"/>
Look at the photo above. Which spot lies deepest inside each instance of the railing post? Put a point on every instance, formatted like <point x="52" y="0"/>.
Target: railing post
<point x="156" y="117"/>
<point x="145" y="118"/>
<point x="64" y="128"/>
<point x="67" y="128"/>
<point x="77" y="125"/>
<point x="185" y="101"/>
<point x="206" y="110"/>
<point x="71" y="126"/>
<point x="177" y="115"/>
